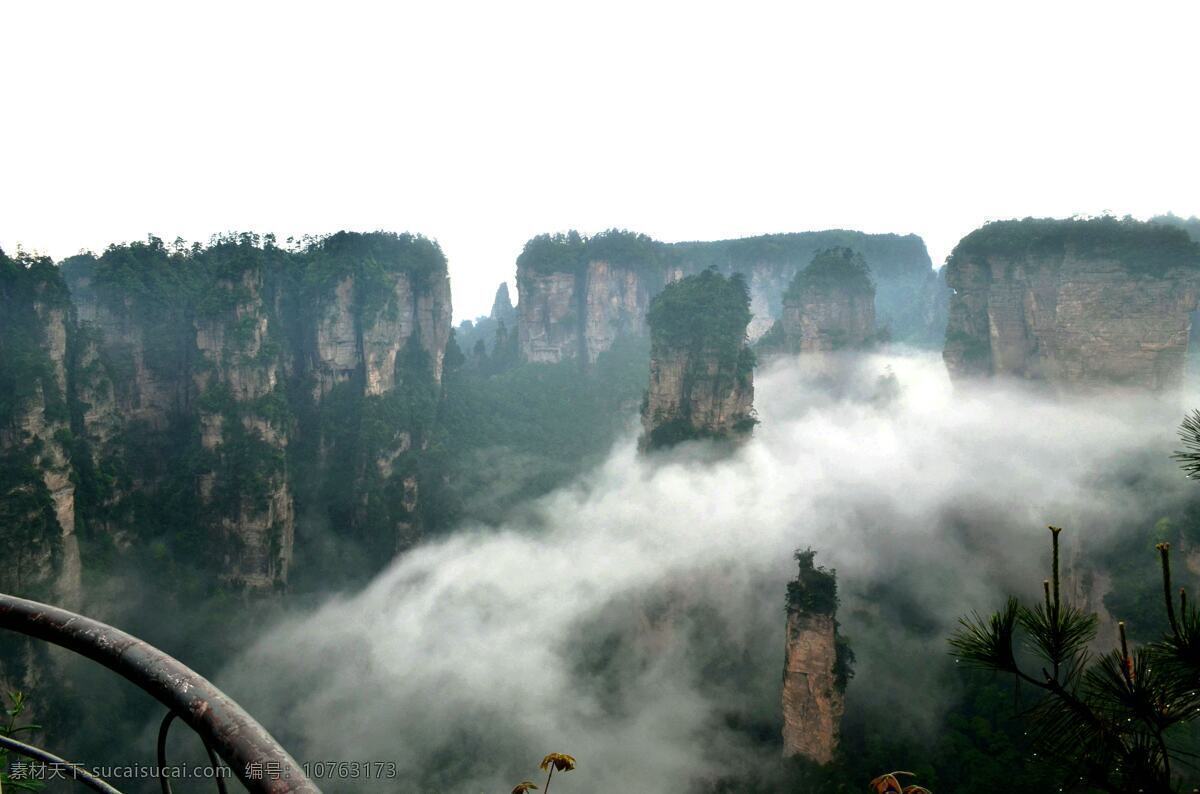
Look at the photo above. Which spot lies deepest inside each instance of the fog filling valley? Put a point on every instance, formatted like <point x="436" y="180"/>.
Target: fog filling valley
<point x="636" y="619"/>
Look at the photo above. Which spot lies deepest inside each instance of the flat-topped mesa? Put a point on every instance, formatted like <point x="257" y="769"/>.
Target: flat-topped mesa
<point x="829" y="306"/>
<point x="816" y="665"/>
<point x="701" y="369"/>
<point x="1074" y="303"/>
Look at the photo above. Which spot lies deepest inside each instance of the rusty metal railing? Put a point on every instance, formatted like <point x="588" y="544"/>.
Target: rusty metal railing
<point x="228" y="732"/>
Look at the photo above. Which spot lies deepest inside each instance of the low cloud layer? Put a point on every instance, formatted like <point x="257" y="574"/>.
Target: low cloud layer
<point x="636" y="620"/>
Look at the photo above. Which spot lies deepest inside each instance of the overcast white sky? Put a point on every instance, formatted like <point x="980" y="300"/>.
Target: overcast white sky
<point x="482" y="124"/>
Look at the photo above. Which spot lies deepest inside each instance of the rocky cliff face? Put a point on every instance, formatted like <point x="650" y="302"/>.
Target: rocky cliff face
<point x="377" y="356"/>
<point x="503" y="310"/>
<point x="815" y="665"/>
<point x="615" y="302"/>
<point x="1073" y="303"/>
<point x="347" y="337"/>
<point x="830" y="305"/>
<point x="202" y="398"/>
<point x="580" y="294"/>
<point x="548" y="329"/>
<point x="243" y="435"/>
<point x="906" y="284"/>
<point x="701" y="369"/>
<point x="37" y="493"/>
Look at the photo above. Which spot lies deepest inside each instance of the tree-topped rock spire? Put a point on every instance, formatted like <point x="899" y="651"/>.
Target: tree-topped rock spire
<point x="701" y="369"/>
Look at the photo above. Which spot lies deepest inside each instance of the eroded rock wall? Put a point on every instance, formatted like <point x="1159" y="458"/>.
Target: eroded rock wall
<point x="830" y="305"/>
<point x="176" y="384"/>
<point x="37" y="491"/>
<point x="243" y="482"/>
<point x="573" y="305"/>
<point x="816" y="667"/>
<point x="812" y="703"/>
<point x="701" y="369"/>
<point x="1074" y="314"/>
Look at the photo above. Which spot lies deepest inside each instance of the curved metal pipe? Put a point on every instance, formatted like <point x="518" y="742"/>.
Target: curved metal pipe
<point x="50" y="759"/>
<point x="236" y="737"/>
<point x="163" y="729"/>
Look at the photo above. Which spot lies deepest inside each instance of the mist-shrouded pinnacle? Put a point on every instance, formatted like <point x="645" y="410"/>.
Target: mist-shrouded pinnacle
<point x="502" y="306"/>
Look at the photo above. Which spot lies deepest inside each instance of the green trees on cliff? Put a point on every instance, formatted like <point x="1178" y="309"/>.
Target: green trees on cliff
<point x="701" y="370"/>
<point x="571" y="251"/>
<point x="34" y="305"/>
<point x="704" y="312"/>
<point x="1142" y="247"/>
<point x="831" y="268"/>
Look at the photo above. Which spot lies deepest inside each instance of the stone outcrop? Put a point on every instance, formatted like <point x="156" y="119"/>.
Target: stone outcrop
<point x="37" y="492"/>
<point x="578" y="295"/>
<point x="829" y="306"/>
<point x="701" y="369"/>
<point x="210" y="395"/>
<point x="489" y="343"/>
<point x="348" y="338"/>
<point x="1074" y="303"/>
<point x="503" y="310"/>
<point x="548" y="327"/>
<point x="242" y="438"/>
<point x="906" y="284"/>
<point x="815" y="665"/>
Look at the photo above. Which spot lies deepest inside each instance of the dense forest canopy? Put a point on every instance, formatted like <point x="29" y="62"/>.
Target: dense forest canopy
<point x="24" y="364"/>
<point x="154" y="269"/>
<point x="1139" y="246"/>
<point x="890" y="255"/>
<point x="832" y="267"/>
<point x="1191" y="225"/>
<point x="571" y="251"/>
<point x="705" y="311"/>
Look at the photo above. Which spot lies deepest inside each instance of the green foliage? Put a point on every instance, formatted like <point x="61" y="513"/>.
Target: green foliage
<point x="374" y="260"/>
<point x="814" y="590"/>
<point x="706" y="312"/>
<point x="30" y="289"/>
<point x="147" y="480"/>
<point x="976" y="351"/>
<point x="774" y="340"/>
<point x="553" y="253"/>
<point x="667" y="434"/>
<point x="831" y="268"/>
<point x="13" y="726"/>
<point x="30" y="541"/>
<point x="1140" y="247"/>
<point x="979" y="745"/>
<point x="570" y="252"/>
<point x="519" y="432"/>
<point x="889" y="255"/>
<point x="1114" y="720"/>
<point x="701" y="317"/>
<point x="1191" y="225"/>
<point x="626" y="249"/>
<point x="1189" y="435"/>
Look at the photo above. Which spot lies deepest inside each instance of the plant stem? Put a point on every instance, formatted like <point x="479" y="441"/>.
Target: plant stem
<point x="1054" y="541"/>
<point x="1164" y="551"/>
<point x="547" y="789"/>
